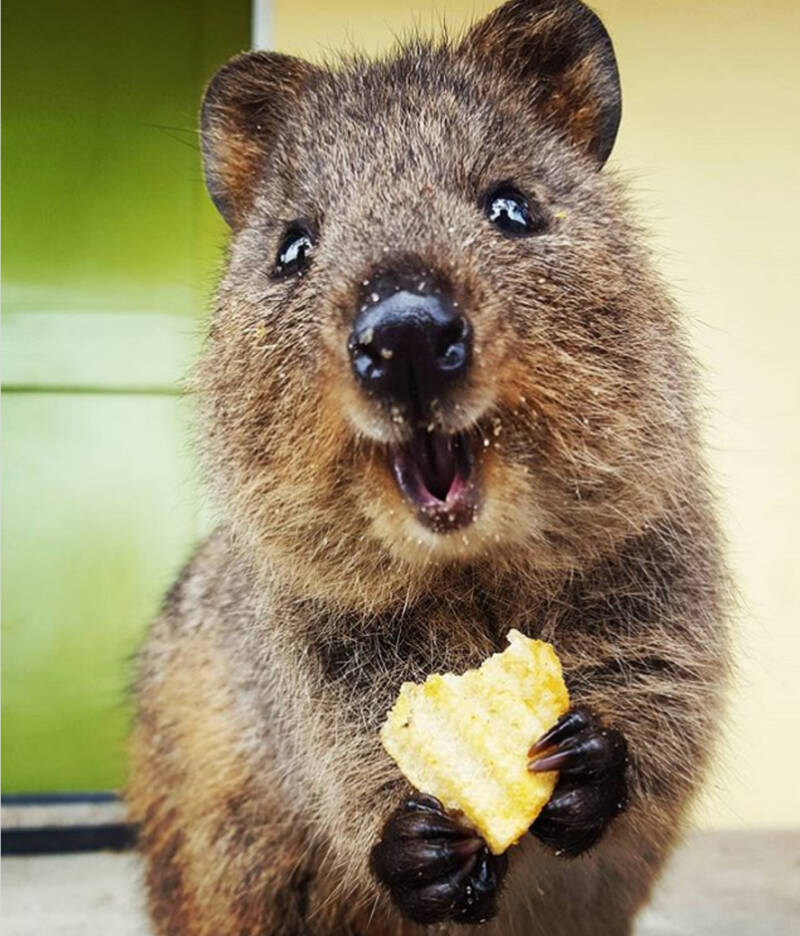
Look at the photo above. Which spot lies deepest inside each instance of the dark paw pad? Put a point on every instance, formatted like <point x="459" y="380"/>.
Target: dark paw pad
<point x="591" y="789"/>
<point x="434" y="868"/>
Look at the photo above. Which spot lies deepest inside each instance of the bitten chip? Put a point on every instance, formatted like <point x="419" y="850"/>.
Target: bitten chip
<point x="465" y="739"/>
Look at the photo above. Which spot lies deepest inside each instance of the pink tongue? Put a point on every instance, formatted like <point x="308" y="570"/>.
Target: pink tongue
<point x="436" y="461"/>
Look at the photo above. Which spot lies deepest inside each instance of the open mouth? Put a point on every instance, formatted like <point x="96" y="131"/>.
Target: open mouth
<point x="434" y="472"/>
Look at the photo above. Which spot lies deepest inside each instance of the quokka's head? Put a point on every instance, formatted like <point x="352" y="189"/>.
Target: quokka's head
<point x="438" y="339"/>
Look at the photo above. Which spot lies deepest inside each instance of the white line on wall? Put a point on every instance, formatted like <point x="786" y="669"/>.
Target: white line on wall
<point x="261" y="28"/>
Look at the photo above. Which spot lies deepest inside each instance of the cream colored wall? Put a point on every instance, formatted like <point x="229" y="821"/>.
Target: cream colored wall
<point x="711" y="141"/>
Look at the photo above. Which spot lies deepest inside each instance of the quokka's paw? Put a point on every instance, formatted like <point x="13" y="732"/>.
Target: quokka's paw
<point x="591" y="789"/>
<point x="435" y="868"/>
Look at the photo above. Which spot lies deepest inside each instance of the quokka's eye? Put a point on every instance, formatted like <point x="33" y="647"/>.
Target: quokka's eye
<point x="512" y="212"/>
<point x="295" y="249"/>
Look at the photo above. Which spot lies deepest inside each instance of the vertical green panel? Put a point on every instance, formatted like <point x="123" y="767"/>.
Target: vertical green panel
<point x="109" y="252"/>
<point x="102" y="185"/>
<point x="99" y="510"/>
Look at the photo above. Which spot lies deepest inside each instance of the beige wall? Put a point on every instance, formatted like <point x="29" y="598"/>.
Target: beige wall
<point x="710" y="140"/>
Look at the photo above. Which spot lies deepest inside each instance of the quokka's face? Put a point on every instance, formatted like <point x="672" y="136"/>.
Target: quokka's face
<point x="436" y="340"/>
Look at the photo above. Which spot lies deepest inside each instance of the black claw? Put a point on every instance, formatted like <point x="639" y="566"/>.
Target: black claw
<point x="429" y="904"/>
<point x="423" y="824"/>
<point x="422" y="861"/>
<point x="424" y="803"/>
<point x="592" y="786"/>
<point x="435" y="868"/>
<point x="591" y="753"/>
<point x="575" y="720"/>
<point x="480" y="895"/>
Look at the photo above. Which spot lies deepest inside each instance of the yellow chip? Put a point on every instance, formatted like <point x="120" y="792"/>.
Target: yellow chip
<point x="465" y="739"/>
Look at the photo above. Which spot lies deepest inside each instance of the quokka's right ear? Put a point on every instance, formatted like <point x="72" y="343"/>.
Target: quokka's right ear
<point x="244" y="107"/>
<point x="561" y="61"/>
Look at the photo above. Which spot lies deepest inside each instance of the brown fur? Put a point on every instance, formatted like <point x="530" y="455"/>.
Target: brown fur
<point x="258" y="778"/>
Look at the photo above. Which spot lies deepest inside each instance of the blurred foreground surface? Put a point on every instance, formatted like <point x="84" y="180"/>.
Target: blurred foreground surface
<point x="726" y="882"/>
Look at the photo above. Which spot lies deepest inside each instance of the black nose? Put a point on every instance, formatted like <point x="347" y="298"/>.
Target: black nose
<point x="409" y="348"/>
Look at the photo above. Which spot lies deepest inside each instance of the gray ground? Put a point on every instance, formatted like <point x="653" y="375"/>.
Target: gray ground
<point x="721" y="883"/>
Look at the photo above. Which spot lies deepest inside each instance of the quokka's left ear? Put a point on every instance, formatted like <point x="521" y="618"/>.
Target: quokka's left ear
<point x="560" y="56"/>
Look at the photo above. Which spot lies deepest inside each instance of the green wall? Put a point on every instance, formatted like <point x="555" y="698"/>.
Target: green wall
<point x="110" y="251"/>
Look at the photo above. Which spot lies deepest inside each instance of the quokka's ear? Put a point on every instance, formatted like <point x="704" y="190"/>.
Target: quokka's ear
<point x="244" y="108"/>
<point x="560" y="56"/>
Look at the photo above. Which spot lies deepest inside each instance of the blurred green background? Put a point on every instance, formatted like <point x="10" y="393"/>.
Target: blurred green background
<point x="109" y="256"/>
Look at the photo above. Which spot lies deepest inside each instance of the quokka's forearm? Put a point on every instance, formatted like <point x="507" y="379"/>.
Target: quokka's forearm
<point x="672" y="730"/>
